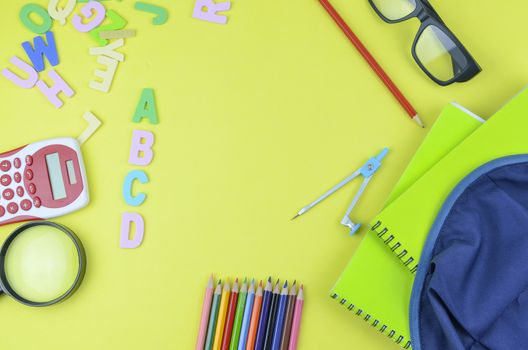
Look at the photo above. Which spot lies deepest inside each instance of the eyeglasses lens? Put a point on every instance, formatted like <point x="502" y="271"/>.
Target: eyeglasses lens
<point x="439" y="54"/>
<point x="395" y="9"/>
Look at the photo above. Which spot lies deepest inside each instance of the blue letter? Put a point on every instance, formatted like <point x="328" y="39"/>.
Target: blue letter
<point x="41" y="49"/>
<point x="127" y="187"/>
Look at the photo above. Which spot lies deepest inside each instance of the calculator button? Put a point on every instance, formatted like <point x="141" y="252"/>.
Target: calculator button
<point x="8" y="194"/>
<point x="29" y="160"/>
<point x="17" y="177"/>
<point x="2" y="211"/>
<point x="20" y="191"/>
<point x="5" y="180"/>
<point x="28" y="174"/>
<point x="12" y="207"/>
<point x="5" y="165"/>
<point x="26" y="204"/>
<point x="32" y="188"/>
<point x="37" y="202"/>
<point x="17" y="163"/>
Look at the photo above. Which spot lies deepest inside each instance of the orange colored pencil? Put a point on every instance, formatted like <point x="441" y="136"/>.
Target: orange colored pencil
<point x="255" y="314"/>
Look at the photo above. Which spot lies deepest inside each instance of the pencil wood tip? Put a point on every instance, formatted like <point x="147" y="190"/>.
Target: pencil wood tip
<point x="418" y="121"/>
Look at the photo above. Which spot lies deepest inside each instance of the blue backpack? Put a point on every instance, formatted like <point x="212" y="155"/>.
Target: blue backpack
<point x="471" y="287"/>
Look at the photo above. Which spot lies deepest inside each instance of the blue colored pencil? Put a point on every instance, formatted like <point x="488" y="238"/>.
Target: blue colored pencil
<point x="247" y="317"/>
<point x="272" y="316"/>
<point x="279" y="321"/>
<point x="263" y="320"/>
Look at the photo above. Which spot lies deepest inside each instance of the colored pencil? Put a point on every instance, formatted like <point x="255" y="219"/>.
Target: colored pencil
<point x="255" y="314"/>
<point x="206" y="308"/>
<point x="244" y="329"/>
<point x="230" y="318"/>
<point x="215" y="306"/>
<point x="239" y="315"/>
<point x="296" y="323"/>
<point x="279" y="322"/>
<point x="272" y="316"/>
<point x="264" y="313"/>
<point x="288" y="317"/>
<point x="372" y="62"/>
<point x="222" y="312"/>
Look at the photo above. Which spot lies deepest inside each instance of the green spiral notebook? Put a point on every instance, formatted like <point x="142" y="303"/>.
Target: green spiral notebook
<point x="404" y="224"/>
<point x="375" y="285"/>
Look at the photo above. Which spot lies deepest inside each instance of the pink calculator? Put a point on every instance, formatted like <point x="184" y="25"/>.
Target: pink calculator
<point x="42" y="180"/>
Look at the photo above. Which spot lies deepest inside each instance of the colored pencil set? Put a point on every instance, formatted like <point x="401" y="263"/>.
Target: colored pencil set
<point x="250" y="317"/>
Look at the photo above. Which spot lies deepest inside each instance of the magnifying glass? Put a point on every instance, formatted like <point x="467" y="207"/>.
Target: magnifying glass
<point x="41" y="263"/>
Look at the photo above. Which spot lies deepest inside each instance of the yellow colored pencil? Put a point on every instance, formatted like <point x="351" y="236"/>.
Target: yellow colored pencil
<point x="222" y="313"/>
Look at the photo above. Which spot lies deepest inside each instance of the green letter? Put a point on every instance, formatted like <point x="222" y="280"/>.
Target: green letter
<point x="146" y="108"/>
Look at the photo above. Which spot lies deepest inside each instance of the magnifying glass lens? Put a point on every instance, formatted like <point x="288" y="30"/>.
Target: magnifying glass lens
<point x="41" y="264"/>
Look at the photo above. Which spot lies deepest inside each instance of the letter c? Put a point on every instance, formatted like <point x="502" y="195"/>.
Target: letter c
<point x="127" y="187"/>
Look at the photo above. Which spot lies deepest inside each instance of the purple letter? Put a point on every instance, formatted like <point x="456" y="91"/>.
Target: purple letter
<point x="31" y="72"/>
<point x="126" y="220"/>
<point x="51" y="92"/>
<point x="137" y="146"/>
<point x="86" y="11"/>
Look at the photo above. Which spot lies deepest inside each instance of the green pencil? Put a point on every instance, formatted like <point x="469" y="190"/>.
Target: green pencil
<point x="239" y="315"/>
<point x="215" y="305"/>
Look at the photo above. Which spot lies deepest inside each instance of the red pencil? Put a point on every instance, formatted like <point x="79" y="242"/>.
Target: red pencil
<point x="372" y="62"/>
<point x="230" y="318"/>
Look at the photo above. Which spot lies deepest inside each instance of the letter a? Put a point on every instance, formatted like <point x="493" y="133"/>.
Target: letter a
<point x="146" y="108"/>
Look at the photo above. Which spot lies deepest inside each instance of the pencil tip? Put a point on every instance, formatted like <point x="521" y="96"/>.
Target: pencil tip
<point x="285" y="284"/>
<point x="295" y="217"/>
<point x="418" y="121"/>
<point x="269" y="279"/>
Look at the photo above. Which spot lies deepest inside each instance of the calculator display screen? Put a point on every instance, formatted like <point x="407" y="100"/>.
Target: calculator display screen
<point x="55" y="176"/>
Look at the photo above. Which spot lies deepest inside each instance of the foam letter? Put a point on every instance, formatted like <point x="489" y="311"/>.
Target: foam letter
<point x="137" y="148"/>
<point x="206" y="10"/>
<point x="109" y="50"/>
<point x="126" y="221"/>
<point x="162" y="15"/>
<point x="51" y="92"/>
<point x="41" y="49"/>
<point x="60" y="14"/>
<point x="130" y="199"/>
<point x="117" y="34"/>
<point x="86" y="11"/>
<point x="27" y="83"/>
<point x="107" y="75"/>
<point x="93" y="125"/>
<point x="116" y="22"/>
<point x="146" y="107"/>
<point x="25" y="13"/>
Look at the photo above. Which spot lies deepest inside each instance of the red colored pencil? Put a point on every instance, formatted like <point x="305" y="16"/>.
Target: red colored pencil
<point x="230" y="318"/>
<point x="372" y="62"/>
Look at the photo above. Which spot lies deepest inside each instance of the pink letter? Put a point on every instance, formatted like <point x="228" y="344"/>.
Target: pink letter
<point x="137" y="146"/>
<point x="86" y="11"/>
<point x="126" y="220"/>
<point x="31" y="72"/>
<point x="51" y="92"/>
<point x="207" y="10"/>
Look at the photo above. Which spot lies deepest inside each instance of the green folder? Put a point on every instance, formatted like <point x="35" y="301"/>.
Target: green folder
<point x="404" y="224"/>
<point x="375" y="286"/>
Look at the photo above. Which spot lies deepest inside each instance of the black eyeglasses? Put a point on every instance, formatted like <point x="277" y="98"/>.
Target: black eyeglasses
<point x="436" y="49"/>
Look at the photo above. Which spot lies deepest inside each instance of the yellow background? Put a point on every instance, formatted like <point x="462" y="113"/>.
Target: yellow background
<point x="257" y="118"/>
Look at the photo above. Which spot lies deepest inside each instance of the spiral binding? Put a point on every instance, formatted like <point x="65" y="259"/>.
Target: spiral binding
<point x="375" y="323"/>
<point x="408" y="261"/>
